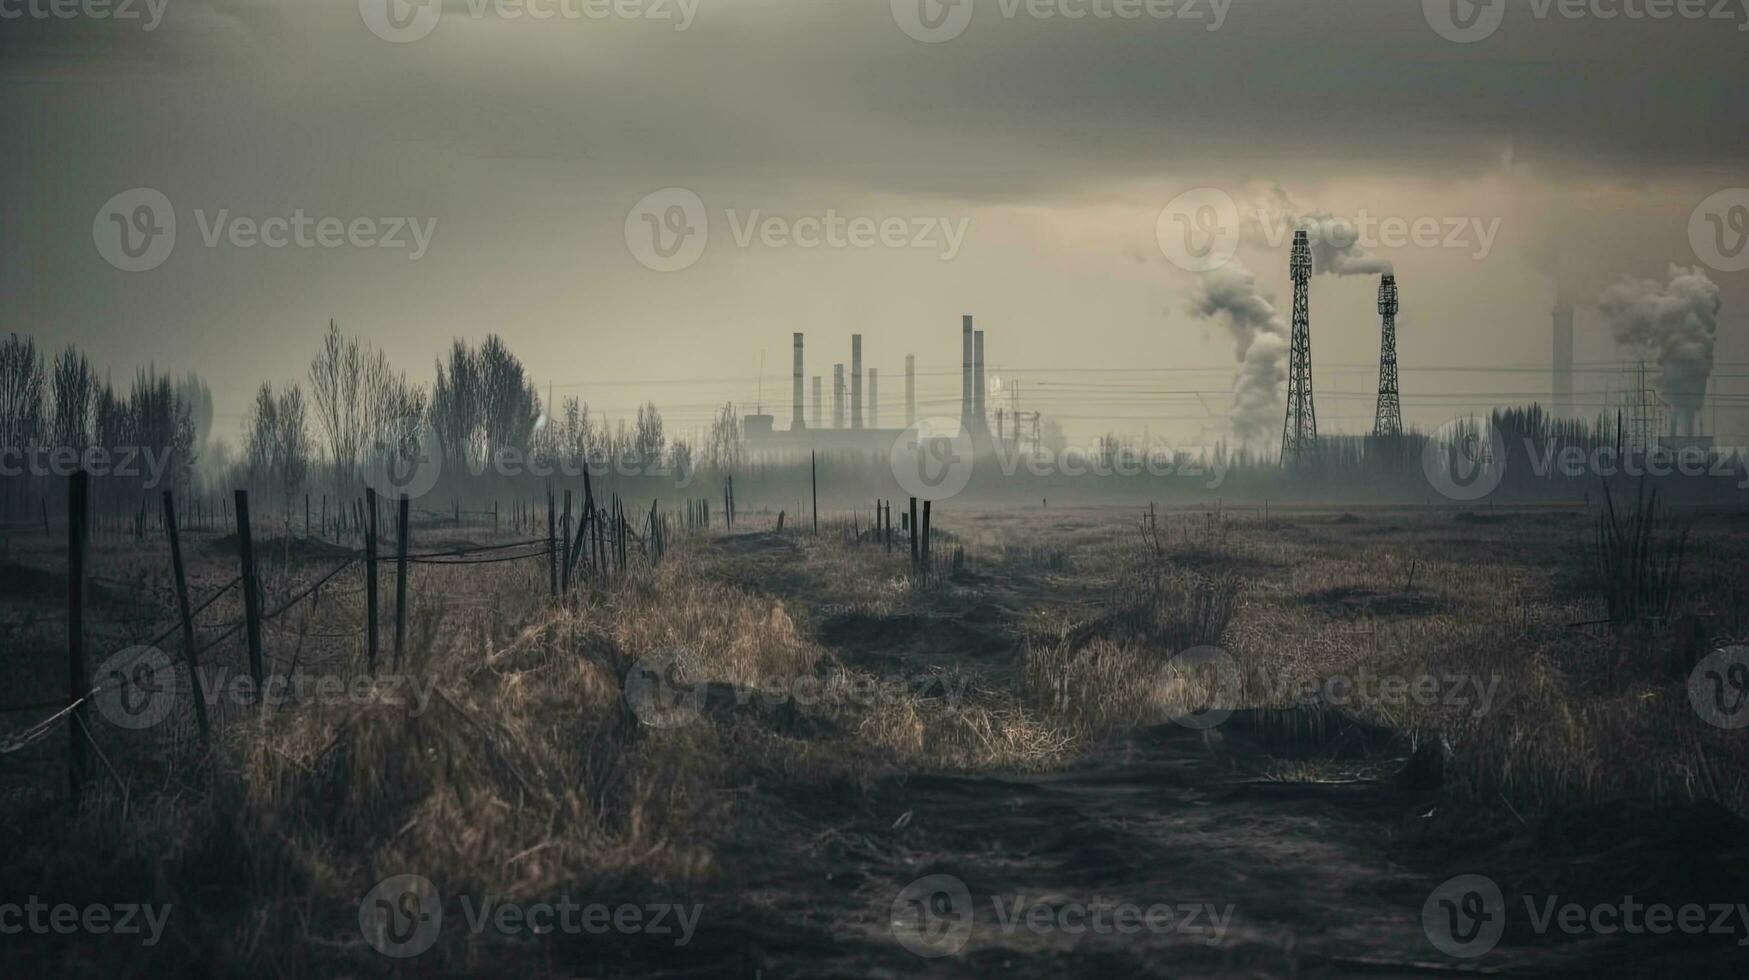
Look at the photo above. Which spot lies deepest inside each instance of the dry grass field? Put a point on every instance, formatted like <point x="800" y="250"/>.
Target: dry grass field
<point x="781" y="730"/>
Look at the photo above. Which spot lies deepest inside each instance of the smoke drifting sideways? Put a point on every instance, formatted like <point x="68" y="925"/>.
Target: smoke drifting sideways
<point x="1678" y="322"/>
<point x="1336" y="246"/>
<point x="1230" y="296"/>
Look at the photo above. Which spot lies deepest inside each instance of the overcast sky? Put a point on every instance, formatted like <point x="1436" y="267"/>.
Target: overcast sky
<point x="1585" y="143"/>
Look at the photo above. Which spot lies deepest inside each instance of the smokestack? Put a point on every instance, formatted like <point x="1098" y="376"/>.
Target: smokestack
<point x="856" y="381"/>
<point x="910" y="390"/>
<point x="979" y="419"/>
<point x="966" y="370"/>
<point x="818" y="421"/>
<point x="874" y="398"/>
<point x="1563" y="354"/>
<point x="837" y="396"/>
<point x="796" y="422"/>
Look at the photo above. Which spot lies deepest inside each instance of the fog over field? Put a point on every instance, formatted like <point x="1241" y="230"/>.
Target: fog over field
<point x="950" y="488"/>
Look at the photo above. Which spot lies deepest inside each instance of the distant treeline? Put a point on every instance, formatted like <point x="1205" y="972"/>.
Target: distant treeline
<point x="489" y="439"/>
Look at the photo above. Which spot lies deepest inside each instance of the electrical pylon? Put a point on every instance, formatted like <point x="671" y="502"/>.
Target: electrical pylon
<point x="1388" y="421"/>
<point x="1299" y="434"/>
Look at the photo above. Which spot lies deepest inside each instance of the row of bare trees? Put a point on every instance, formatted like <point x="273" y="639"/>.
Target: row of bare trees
<point x="315" y="433"/>
<point x="57" y="413"/>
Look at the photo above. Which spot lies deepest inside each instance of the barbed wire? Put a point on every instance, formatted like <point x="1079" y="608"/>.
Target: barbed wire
<point x="457" y="556"/>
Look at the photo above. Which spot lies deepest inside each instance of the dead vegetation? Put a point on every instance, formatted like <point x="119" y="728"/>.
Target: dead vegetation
<point x="818" y="663"/>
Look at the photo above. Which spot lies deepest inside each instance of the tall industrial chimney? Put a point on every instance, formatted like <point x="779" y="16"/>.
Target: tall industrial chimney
<point x="856" y="381"/>
<point x="818" y="421"/>
<point x="980" y="421"/>
<point x="837" y="396"/>
<point x="1563" y="354"/>
<point x="966" y="370"/>
<point x="796" y="422"/>
<point x="874" y="398"/>
<point x="910" y="390"/>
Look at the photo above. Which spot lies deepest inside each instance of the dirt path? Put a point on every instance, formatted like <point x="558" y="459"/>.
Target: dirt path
<point x="1176" y="853"/>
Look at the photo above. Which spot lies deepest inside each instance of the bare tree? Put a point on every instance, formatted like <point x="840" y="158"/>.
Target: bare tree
<point x="276" y="448"/>
<point x="337" y="385"/>
<point x="196" y="398"/>
<point x="73" y="394"/>
<point x="649" y="441"/>
<point x="21" y="392"/>
<point x="723" y="452"/>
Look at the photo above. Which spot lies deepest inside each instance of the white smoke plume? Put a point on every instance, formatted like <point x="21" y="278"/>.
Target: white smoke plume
<point x="1677" y="321"/>
<point x="1336" y="247"/>
<point x="1230" y="295"/>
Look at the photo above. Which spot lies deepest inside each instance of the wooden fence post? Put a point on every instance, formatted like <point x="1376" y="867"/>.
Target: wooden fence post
<point x="926" y="534"/>
<point x="552" y="546"/>
<point x="565" y="534"/>
<point x="370" y="581"/>
<point x="814" y="484"/>
<point x="251" y="591"/>
<point x="401" y="581"/>
<point x="913" y="534"/>
<point x="188" y="641"/>
<point x="78" y="490"/>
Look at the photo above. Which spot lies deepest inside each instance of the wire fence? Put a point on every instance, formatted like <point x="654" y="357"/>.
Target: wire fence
<point x="118" y="675"/>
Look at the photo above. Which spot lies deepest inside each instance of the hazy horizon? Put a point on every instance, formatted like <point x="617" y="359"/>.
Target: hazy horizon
<point x="524" y="145"/>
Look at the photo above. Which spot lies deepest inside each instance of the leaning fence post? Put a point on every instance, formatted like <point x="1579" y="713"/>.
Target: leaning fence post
<point x="251" y="591"/>
<point x="78" y="488"/>
<point x="188" y="641"/>
<point x="370" y="581"/>
<point x="401" y="582"/>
